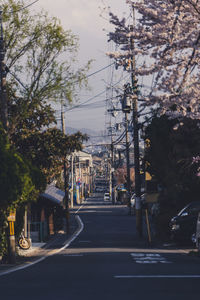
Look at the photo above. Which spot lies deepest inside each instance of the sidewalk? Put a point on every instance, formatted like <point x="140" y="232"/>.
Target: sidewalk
<point x="39" y="250"/>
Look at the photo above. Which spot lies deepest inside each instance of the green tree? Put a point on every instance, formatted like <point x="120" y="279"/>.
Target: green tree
<point x="47" y="149"/>
<point x="170" y="155"/>
<point x="169" y="159"/>
<point x="40" y="55"/>
<point x="19" y="182"/>
<point x="41" y="60"/>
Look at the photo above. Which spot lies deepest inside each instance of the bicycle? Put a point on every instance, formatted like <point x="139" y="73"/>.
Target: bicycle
<point x="23" y="242"/>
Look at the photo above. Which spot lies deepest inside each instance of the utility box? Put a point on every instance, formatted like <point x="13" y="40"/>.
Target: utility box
<point x="126" y="104"/>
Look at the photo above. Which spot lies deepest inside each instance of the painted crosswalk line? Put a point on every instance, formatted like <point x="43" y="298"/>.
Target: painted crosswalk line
<point x="149" y="258"/>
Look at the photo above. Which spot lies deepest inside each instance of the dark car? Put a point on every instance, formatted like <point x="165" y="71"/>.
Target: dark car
<point x="197" y="235"/>
<point x="183" y="226"/>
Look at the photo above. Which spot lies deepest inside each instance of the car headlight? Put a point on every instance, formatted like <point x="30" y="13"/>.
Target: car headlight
<point x="175" y="226"/>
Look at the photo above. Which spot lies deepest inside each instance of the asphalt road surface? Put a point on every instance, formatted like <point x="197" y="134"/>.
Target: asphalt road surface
<point x="107" y="261"/>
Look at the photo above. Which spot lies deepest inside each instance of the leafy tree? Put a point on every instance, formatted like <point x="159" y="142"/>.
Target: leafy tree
<point x="40" y="59"/>
<point x="169" y="156"/>
<point x="19" y="182"/>
<point x="47" y="149"/>
<point x="15" y="182"/>
<point x="40" y="54"/>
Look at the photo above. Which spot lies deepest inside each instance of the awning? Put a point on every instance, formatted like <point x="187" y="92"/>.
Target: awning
<point x="53" y="194"/>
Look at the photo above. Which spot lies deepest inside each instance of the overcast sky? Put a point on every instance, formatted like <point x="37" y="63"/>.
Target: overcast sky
<point x="83" y="18"/>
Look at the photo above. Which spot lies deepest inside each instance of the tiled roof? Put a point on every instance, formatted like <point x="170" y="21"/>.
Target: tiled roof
<point x="53" y="194"/>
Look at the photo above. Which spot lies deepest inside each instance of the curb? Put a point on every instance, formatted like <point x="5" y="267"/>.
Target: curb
<point x="47" y="254"/>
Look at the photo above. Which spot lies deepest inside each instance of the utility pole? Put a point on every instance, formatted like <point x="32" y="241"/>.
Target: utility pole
<point x="128" y="162"/>
<point x="112" y="171"/>
<point x="66" y="185"/>
<point x="136" y="140"/>
<point x="112" y="166"/>
<point x="72" y="179"/>
<point x="126" y="108"/>
<point x="3" y="92"/>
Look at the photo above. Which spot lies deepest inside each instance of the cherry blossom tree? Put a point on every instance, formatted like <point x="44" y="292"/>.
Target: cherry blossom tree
<point x="166" y="35"/>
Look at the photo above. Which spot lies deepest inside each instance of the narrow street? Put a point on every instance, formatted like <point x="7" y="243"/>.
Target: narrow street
<point x="107" y="261"/>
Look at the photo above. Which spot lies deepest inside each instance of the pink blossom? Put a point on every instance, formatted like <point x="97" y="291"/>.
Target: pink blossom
<point x="166" y="37"/>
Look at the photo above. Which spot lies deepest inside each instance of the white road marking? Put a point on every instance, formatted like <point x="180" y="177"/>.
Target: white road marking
<point x="146" y="262"/>
<point x="78" y="209"/>
<point x="50" y="253"/>
<point x="145" y="254"/>
<point x="155" y="276"/>
<point x="149" y="258"/>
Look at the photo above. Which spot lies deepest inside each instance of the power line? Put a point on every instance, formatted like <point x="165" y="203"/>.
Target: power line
<point x="90" y="99"/>
<point x="14" y="11"/>
<point x="94" y="73"/>
<point x="99" y="70"/>
<point x="120" y="138"/>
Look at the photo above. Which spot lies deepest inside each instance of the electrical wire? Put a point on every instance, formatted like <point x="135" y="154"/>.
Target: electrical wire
<point x="120" y="138"/>
<point x="14" y="11"/>
<point x="96" y="72"/>
<point x="97" y="104"/>
<point x="90" y="99"/>
<point x="99" y="70"/>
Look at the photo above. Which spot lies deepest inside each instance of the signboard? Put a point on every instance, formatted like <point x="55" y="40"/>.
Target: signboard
<point x="147" y="176"/>
<point x="151" y="197"/>
<point x="12" y="216"/>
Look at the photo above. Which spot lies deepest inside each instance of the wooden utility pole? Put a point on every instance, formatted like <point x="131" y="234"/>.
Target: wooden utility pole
<point x="136" y="139"/>
<point x="3" y="92"/>
<point x="112" y="166"/>
<point x="112" y="172"/>
<point x="11" y="237"/>
<point x="66" y="185"/>
<point x="72" y="180"/>
<point x="128" y="162"/>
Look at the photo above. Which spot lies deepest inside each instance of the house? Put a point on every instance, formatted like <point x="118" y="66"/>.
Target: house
<point x="82" y="175"/>
<point x="45" y="217"/>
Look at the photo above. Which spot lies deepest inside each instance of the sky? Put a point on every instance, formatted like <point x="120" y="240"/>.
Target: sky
<point x="83" y="18"/>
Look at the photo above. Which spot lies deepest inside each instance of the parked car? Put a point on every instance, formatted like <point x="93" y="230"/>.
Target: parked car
<point x="183" y="225"/>
<point x="197" y="234"/>
<point x="106" y="197"/>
